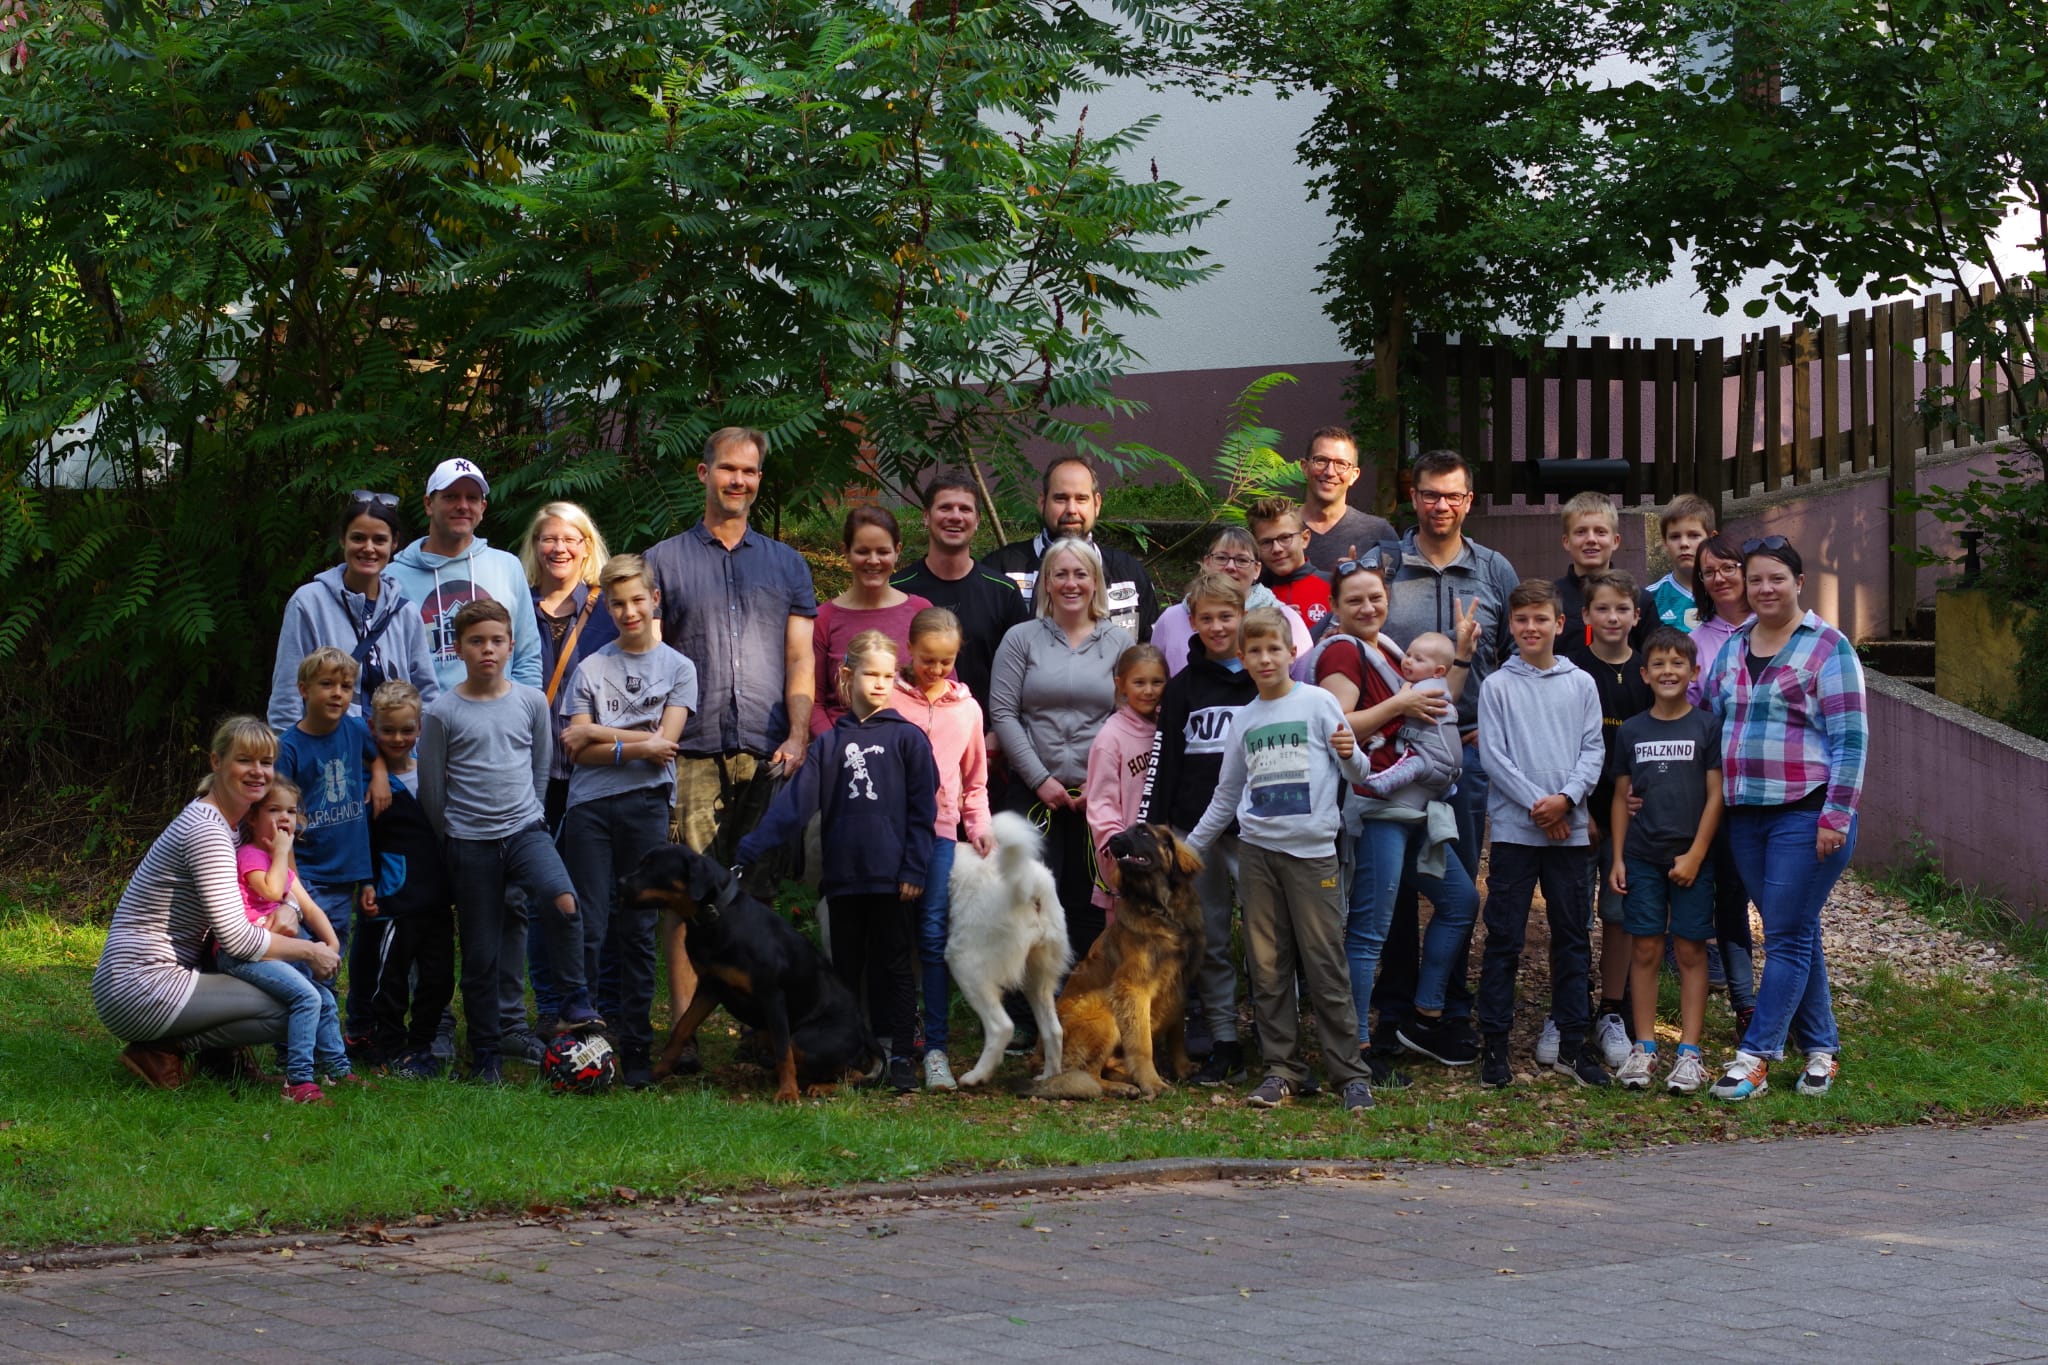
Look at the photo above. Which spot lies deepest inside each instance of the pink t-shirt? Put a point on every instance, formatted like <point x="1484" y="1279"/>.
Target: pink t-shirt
<point x="255" y="858"/>
<point x="834" y="631"/>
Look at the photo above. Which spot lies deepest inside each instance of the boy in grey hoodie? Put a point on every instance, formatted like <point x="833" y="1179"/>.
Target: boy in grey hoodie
<point x="1540" y="736"/>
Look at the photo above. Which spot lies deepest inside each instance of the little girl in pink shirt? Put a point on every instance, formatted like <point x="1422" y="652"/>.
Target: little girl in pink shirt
<point x="1119" y="759"/>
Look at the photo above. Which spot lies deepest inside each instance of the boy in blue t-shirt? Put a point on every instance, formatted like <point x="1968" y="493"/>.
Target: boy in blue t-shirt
<point x="330" y="756"/>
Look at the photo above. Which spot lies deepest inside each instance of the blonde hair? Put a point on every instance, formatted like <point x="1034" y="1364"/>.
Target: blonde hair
<point x="864" y="646"/>
<point x="396" y="695"/>
<point x="933" y="621"/>
<point x="1098" y="606"/>
<point x="279" y="786"/>
<point x="1590" y="504"/>
<point x="324" y="660"/>
<point x="621" y="567"/>
<point x="1214" y="587"/>
<point x="594" y="555"/>
<point x="1261" y="622"/>
<point x="235" y="734"/>
<point x="1688" y="507"/>
<point x="1278" y="507"/>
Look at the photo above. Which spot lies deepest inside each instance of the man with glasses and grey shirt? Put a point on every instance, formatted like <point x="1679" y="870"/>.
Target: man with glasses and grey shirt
<point x="1336" y="529"/>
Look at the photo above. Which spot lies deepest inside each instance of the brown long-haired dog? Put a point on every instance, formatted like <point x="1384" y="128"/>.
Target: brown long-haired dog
<point x="1124" y="1008"/>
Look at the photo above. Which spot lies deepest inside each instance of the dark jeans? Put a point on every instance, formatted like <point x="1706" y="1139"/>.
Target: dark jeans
<point x="1731" y="923"/>
<point x="1071" y="855"/>
<point x="1393" y="994"/>
<point x="404" y="1016"/>
<point x="871" y="946"/>
<point x="601" y="841"/>
<point x="1510" y="890"/>
<point x="494" y="932"/>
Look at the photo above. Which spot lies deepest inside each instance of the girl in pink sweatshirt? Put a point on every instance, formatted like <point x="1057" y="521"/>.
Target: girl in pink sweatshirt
<point x="1119" y="758"/>
<point x="932" y="699"/>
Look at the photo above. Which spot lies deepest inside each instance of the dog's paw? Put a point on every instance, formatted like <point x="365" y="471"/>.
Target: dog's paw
<point x="973" y="1078"/>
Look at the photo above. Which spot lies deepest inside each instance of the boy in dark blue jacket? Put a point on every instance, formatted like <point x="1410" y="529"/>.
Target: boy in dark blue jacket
<point x="874" y="781"/>
<point x="415" y="923"/>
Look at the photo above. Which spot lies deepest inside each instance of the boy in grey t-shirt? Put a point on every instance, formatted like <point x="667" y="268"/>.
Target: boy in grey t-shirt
<point x="485" y="746"/>
<point x="1670" y="757"/>
<point x="626" y="707"/>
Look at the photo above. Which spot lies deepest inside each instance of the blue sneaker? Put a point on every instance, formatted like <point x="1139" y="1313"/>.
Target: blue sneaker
<point x="577" y="1016"/>
<point x="1745" y="1078"/>
<point x="486" y="1069"/>
<point x="417" y="1066"/>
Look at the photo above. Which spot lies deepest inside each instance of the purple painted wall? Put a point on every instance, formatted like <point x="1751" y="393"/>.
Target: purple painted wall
<point x="1977" y="790"/>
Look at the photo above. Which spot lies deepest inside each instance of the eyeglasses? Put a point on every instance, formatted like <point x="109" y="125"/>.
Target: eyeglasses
<point x="1722" y="570"/>
<point x="1750" y="547"/>
<point x="364" y="497"/>
<point x="1279" y="541"/>
<point x="1433" y="496"/>
<point x="570" y="541"/>
<point x="1232" y="561"/>
<point x="1326" y="462"/>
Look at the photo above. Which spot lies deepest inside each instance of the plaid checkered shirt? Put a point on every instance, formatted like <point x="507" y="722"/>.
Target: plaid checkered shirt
<point x="1803" y="724"/>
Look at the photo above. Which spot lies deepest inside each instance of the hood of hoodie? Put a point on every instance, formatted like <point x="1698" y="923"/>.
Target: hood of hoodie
<point x="952" y="694"/>
<point x="1517" y="664"/>
<point x="418" y="556"/>
<point x="389" y="593"/>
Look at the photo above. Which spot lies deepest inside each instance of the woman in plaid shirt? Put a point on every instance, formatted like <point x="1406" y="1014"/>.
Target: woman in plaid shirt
<point x="1788" y="690"/>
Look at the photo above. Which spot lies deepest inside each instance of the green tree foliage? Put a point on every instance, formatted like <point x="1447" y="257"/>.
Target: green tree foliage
<point x="1461" y="148"/>
<point x="258" y="255"/>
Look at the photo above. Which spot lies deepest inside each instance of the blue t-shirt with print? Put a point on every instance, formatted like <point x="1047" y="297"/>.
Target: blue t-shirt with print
<point x="332" y="773"/>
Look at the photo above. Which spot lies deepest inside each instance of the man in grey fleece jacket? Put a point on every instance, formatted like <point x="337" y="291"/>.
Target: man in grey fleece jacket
<point x="1540" y="731"/>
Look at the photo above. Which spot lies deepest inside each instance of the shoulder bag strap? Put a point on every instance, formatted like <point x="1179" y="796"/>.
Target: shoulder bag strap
<point x="569" y="647"/>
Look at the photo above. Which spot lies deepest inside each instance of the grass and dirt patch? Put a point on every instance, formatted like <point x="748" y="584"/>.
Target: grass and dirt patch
<point x="92" y="1158"/>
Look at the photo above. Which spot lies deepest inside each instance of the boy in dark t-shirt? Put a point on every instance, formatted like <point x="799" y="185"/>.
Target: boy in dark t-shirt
<point x="414" y="927"/>
<point x="1670" y="756"/>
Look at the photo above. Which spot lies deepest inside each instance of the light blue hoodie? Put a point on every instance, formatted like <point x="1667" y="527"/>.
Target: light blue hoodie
<point x="440" y="584"/>
<point x="1539" y="735"/>
<point x="323" y="612"/>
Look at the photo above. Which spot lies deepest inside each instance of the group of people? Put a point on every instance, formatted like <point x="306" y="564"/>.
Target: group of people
<point x="466" y="749"/>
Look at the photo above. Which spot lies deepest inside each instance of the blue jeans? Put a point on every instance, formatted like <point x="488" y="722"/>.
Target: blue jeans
<point x="1394" y="995"/>
<point x="493" y="933"/>
<point x="337" y="901"/>
<point x="934" y="914"/>
<point x="1774" y="850"/>
<point x="1386" y="855"/>
<point x="312" y="1024"/>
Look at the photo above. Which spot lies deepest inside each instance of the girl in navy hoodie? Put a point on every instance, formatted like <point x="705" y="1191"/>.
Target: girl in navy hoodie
<point x="874" y="781"/>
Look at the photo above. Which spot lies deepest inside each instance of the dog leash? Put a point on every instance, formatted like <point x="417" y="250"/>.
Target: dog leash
<point x="1040" y="815"/>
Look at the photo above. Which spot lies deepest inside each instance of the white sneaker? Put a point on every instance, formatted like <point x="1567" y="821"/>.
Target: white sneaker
<point x="938" y="1071"/>
<point x="1612" y="1037"/>
<point x="1818" y="1075"/>
<point x="1637" y="1069"/>
<point x="1688" y="1074"/>
<point x="1547" y="1044"/>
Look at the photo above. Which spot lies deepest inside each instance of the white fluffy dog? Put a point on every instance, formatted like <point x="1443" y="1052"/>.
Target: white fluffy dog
<point x="1008" y="932"/>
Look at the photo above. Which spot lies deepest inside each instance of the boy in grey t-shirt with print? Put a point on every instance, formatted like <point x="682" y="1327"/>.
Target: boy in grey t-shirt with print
<point x="626" y="707"/>
<point x="1670" y="757"/>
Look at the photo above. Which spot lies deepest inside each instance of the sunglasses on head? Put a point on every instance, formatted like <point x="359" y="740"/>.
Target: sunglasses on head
<point x="1750" y="547"/>
<point x="363" y="497"/>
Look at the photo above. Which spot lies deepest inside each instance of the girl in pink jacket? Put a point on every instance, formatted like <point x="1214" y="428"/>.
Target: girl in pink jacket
<point x="1119" y="759"/>
<point x="932" y="699"/>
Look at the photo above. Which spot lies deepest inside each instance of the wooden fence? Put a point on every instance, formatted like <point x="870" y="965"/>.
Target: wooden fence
<point x="1782" y="408"/>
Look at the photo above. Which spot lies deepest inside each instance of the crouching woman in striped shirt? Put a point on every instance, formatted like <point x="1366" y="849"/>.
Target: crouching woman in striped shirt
<point x="1788" y="690"/>
<point x="148" y="988"/>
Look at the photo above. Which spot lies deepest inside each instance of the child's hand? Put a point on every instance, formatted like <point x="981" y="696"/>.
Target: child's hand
<point x="658" y="749"/>
<point x="1593" y="828"/>
<point x="1344" y="742"/>
<point x="1557" y="833"/>
<point x="1617" y="878"/>
<point x="380" y="794"/>
<point x="984" y="844"/>
<point x="1551" y="810"/>
<point x="1686" y="870"/>
<point x="577" y="738"/>
<point x="369" y="904"/>
<point x="906" y="892"/>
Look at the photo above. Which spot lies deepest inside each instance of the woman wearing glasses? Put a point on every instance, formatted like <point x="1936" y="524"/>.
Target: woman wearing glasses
<point x="357" y="607"/>
<point x="562" y="554"/>
<point x="1788" y="690"/>
<point x="1232" y="553"/>
<point x="1722" y="601"/>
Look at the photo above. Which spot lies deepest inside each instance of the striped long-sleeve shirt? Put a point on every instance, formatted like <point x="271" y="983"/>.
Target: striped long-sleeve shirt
<point x="185" y="886"/>
<point x="1803" y="724"/>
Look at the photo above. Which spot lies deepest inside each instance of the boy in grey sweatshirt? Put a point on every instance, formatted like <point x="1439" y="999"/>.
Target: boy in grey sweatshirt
<point x="1540" y="736"/>
<point x="1283" y="779"/>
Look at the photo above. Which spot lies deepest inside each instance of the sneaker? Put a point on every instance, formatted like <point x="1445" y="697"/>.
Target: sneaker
<point x="547" y="1025"/>
<point x="1224" y="1065"/>
<point x="1818" y="1075"/>
<point x="486" y="1069"/>
<point x="902" y="1075"/>
<point x="1688" y="1074"/>
<point x="1441" y="1040"/>
<point x="443" y="1049"/>
<point x="353" y="1080"/>
<point x="1637" y="1070"/>
<point x="1745" y="1077"/>
<point x="1382" y="1070"/>
<point x="1547" y="1044"/>
<point x="687" y="1061"/>
<point x="306" y="1092"/>
<point x="636" y="1073"/>
<point x="418" y="1066"/>
<point x="524" y="1047"/>
<point x="1583" y="1066"/>
<point x="1611" y="1036"/>
<point x="1357" y="1096"/>
<point x="577" y="1017"/>
<point x="1023" y="1041"/>
<point x="938" y="1071"/>
<point x="1273" y="1092"/>
<point x="1494" y="1069"/>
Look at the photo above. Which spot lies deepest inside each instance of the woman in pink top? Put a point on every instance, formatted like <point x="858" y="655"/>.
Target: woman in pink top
<point x="1119" y="759"/>
<point x="873" y="545"/>
<point x="932" y="699"/>
<point x="1723" y="601"/>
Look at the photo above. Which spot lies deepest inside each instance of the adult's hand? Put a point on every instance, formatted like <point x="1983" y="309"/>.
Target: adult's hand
<point x="1424" y="706"/>
<point x="1828" y="843"/>
<point x="324" y="959"/>
<point x="1053" y="796"/>
<point x="788" y="756"/>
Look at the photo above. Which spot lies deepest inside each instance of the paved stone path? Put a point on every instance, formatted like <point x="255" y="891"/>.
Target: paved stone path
<point x="1918" y="1245"/>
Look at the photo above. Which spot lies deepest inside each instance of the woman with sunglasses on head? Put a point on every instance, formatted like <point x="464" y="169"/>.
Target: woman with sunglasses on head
<point x="1788" y="690"/>
<point x="1232" y="553"/>
<point x="357" y="607"/>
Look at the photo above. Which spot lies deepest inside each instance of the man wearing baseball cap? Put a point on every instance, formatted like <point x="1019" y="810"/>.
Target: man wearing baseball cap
<point x="451" y="564"/>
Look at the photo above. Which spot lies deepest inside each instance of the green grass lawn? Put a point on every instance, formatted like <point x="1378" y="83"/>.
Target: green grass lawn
<point x="91" y="1157"/>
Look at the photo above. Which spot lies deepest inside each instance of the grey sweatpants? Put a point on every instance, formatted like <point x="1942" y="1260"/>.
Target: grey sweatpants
<point x="225" y="1011"/>
<point x="1216" y="973"/>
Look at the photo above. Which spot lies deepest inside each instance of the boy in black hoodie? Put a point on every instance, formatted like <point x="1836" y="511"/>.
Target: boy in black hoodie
<point x="873" y="779"/>
<point x="415" y="915"/>
<point x="1195" y="722"/>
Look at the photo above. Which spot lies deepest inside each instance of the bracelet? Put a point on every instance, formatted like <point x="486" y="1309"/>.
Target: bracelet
<point x="1461" y="663"/>
<point x="618" y="752"/>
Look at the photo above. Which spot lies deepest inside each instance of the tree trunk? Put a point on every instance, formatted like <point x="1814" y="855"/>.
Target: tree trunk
<point x="1383" y="432"/>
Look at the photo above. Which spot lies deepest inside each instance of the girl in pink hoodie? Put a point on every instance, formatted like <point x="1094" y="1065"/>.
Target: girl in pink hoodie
<point x="932" y="699"/>
<point x="1119" y="759"/>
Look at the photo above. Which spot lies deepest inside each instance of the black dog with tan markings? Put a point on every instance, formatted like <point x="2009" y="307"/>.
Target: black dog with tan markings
<point x="1124" y="1008"/>
<point x="753" y="962"/>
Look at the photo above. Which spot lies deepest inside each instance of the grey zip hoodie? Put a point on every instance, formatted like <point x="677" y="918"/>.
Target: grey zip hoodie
<point x="323" y="612"/>
<point x="1048" y="699"/>
<point x="440" y="584"/>
<point x="1539" y="735"/>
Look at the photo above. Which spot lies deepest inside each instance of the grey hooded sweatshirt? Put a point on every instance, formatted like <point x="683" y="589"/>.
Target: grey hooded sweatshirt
<point x="440" y="584"/>
<point x="323" y="612"/>
<point x="1540" y="734"/>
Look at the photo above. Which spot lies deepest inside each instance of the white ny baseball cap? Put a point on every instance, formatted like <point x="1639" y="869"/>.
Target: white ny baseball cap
<point x="448" y="472"/>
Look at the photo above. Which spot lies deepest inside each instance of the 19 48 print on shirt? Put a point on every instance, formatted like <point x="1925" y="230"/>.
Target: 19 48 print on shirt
<point x="1276" y="759"/>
